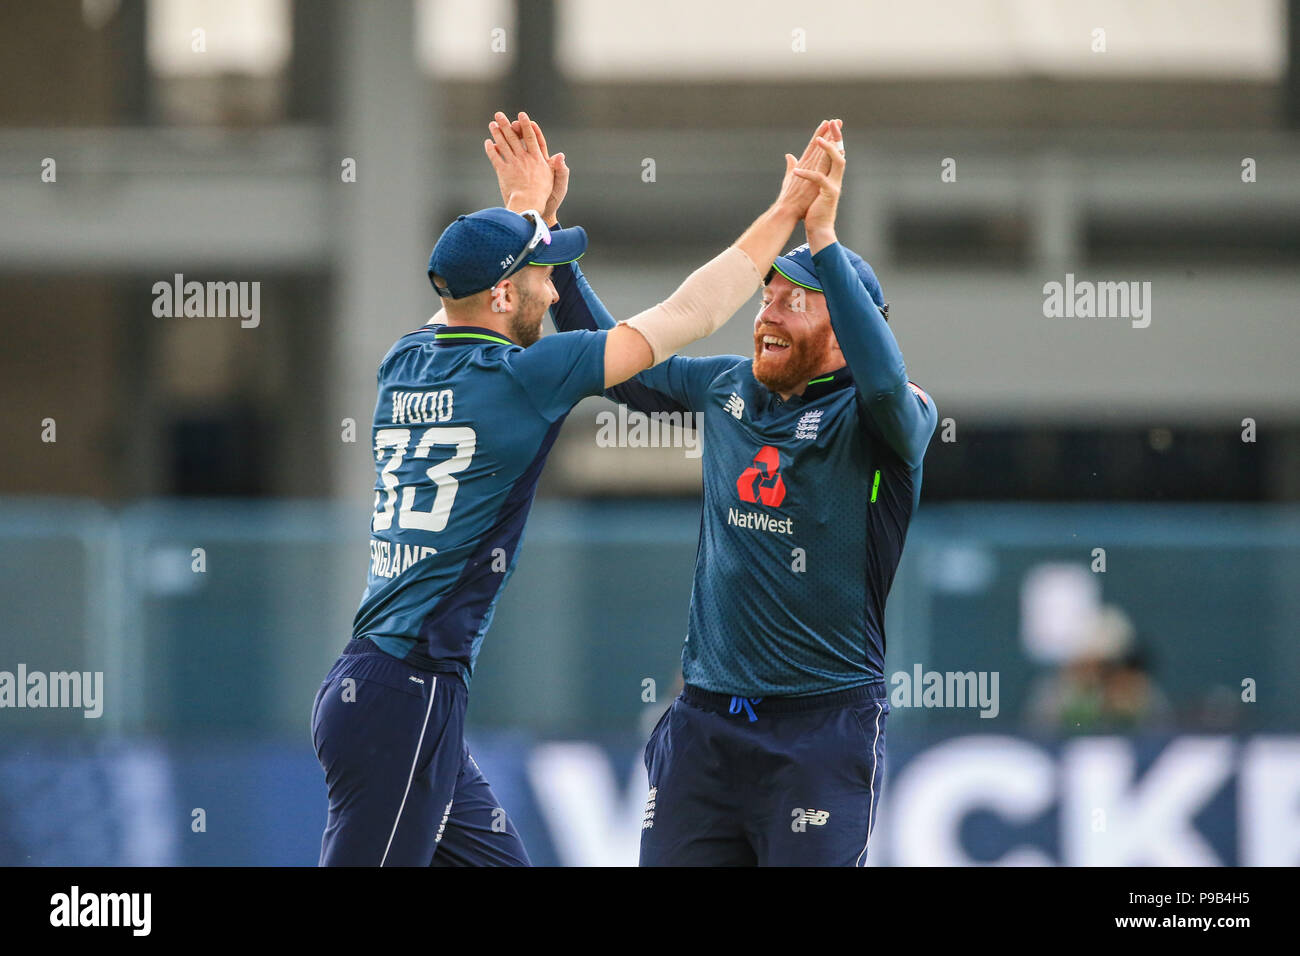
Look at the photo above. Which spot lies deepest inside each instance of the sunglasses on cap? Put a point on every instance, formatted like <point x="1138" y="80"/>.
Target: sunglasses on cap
<point x="541" y="237"/>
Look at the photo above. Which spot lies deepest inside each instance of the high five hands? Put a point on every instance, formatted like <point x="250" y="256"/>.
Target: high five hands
<point x="813" y="182"/>
<point x="529" y="177"/>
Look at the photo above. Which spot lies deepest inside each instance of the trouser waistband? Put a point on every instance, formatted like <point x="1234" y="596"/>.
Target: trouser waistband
<point x="365" y="645"/>
<point x="725" y="703"/>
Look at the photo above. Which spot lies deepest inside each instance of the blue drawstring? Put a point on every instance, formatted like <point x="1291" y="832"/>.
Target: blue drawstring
<point x="737" y="703"/>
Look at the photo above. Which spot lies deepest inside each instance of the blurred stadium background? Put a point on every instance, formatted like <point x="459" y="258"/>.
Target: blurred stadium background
<point x="1146" y="710"/>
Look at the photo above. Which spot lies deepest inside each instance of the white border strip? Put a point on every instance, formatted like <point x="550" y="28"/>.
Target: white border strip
<point x="871" y="800"/>
<point x="416" y="759"/>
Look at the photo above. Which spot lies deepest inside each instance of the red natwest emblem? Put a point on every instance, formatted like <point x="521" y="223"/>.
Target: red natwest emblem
<point x="761" y="481"/>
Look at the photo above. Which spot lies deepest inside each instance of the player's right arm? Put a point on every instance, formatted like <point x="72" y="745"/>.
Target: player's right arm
<point x="557" y="371"/>
<point x="675" y="385"/>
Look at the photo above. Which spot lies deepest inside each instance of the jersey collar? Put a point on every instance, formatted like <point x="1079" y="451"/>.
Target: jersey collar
<point x="468" y="335"/>
<point x="825" y="384"/>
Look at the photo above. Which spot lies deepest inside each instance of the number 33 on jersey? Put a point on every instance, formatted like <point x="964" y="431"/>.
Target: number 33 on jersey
<point x="463" y="424"/>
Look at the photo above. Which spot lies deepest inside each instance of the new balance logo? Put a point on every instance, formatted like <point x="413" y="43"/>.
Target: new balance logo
<point x="735" y="406"/>
<point x="808" y="818"/>
<point x="807" y="424"/>
<point x="648" y="819"/>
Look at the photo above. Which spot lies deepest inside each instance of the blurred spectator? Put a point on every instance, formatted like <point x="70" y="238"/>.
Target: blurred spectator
<point x="1106" y="685"/>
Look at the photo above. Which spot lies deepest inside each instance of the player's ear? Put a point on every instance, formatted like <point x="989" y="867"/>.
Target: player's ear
<point x="502" y="296"/>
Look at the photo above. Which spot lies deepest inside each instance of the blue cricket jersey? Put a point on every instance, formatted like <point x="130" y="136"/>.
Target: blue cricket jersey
<point x="463" y="423"/>
<point x="806" y="501"/>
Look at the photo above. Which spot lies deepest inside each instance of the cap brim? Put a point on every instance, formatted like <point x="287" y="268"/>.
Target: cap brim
<point x="797" y="273"/>
<point x="567" y="245"/>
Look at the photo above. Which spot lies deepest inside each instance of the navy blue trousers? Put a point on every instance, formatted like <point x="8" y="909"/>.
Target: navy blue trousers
<point x="403" y="788"/>
<point x="791" y="781"/>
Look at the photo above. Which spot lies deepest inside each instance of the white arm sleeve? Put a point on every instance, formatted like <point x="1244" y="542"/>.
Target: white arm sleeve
<point x="701" y="305"/>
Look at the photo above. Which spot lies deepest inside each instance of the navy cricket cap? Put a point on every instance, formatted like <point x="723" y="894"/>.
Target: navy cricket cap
<point x="479" y="250"/>
<point x="797" y="266"/>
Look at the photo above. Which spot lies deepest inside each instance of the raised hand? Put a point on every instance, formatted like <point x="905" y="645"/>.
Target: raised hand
<point x="560" y="184"/>
<point x="525" y="174"/>
<point x="798" y="193"/>
<point x="819" y="219"/>
<point x="799" y="190"/>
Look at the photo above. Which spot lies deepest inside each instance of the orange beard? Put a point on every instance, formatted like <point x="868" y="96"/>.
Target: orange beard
<point x="785" y="370"/>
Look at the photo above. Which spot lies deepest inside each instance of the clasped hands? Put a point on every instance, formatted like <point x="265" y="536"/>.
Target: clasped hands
<point x="531" y="178"/>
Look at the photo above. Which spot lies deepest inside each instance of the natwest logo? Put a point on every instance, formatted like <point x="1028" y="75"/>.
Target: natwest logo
<point x="761" y="482"/>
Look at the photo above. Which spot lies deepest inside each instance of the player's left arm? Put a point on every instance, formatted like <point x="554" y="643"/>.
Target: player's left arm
<point x="560" y="370"/>
<point x="580" y="308"/>
<point x="903" y="414"/>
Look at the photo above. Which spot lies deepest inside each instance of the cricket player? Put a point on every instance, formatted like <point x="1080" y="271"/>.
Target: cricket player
<point x="468" y="408"/>
<point x="774" y="752"/>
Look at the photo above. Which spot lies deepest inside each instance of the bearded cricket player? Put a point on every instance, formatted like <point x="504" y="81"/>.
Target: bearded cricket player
<point x="468" y="409"/>
<point x="774" y="752"/>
